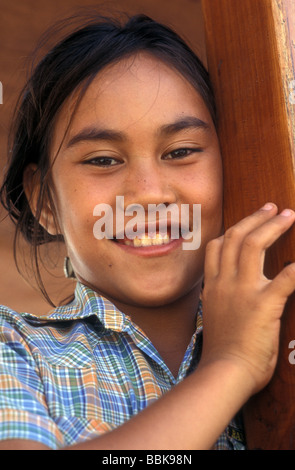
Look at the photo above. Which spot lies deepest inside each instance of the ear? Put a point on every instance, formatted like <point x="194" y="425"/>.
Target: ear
<point x="32" y="187"/>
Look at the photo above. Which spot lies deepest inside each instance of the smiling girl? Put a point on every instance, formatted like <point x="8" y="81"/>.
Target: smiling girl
<point x="127" y="110"/>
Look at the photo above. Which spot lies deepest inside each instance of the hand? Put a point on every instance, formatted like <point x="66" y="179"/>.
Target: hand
<point x="242" y="308"/>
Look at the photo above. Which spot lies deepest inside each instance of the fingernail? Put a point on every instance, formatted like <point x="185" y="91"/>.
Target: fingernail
<point x="287" y="213"/>
<point x="267" y="207"/>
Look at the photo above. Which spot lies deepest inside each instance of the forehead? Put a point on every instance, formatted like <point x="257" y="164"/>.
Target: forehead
<point x="140" y="89"/>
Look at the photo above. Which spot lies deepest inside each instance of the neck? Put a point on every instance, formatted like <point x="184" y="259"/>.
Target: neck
<point x="169" y="327"/>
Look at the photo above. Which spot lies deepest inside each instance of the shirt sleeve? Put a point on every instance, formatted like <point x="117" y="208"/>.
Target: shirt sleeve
<point x="23" y="410"/>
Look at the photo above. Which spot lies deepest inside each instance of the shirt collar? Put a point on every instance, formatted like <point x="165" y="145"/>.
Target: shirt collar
<point x="87" y="303"/>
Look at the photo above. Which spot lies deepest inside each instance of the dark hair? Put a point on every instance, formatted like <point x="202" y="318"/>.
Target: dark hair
<point x="73" y="62"/>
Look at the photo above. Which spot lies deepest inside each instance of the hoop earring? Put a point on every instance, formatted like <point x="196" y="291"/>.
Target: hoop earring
<point x="68" y="269"/>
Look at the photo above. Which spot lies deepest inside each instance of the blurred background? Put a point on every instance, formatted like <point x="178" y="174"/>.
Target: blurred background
<point x="21" y="24"/>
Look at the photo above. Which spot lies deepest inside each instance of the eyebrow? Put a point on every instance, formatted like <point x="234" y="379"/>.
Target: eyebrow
<point x="188" y="122"/>
<point x="95" y="134"/>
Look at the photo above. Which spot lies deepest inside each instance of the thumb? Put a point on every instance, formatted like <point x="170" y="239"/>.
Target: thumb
<point x="283" y="284"/>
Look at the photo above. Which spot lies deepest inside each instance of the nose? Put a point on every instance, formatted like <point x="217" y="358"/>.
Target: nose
<point x="148" y="183"/>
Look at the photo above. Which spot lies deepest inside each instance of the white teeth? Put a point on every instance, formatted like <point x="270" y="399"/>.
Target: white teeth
<point x="157" y="239"/>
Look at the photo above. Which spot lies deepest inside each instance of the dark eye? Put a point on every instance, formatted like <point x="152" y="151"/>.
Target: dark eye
<point x="105" y="162"/>
<point x="181" y="153"/>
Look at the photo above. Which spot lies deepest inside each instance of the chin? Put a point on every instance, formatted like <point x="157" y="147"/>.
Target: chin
<point x="153" y="298"/>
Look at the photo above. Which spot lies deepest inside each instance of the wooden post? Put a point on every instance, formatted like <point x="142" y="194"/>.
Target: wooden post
<point x="251" y="56"/>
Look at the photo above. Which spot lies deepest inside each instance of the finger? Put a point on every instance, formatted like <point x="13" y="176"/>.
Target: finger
<point x="251" y="261"/>
<point x="235" y="235"/>
<point x="212" y="258"/>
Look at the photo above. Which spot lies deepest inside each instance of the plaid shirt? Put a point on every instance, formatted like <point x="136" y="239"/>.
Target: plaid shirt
<point x="81" y="371"/>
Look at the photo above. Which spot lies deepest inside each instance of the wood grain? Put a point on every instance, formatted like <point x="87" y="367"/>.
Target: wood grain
<point x="250" y="53"/>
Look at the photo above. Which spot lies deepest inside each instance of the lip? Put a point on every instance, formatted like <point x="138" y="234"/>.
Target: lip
<point x="153" y="250"/>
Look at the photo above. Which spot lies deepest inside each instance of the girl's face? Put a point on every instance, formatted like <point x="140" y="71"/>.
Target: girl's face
<point x="141" y="132"/>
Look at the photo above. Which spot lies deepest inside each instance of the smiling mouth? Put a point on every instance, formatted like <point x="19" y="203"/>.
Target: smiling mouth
<point x="145" y="240"/>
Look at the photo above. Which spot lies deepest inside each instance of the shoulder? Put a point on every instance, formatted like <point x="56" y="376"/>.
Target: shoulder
<point x="19" y="327"/>
<point x="10" y="317"/>
<point x="62" y="337"/>
<point x="13" y="325"/>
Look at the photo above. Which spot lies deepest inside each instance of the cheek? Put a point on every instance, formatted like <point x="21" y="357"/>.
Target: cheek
<point x="207" y="189"/>
<point x="213" y="183"/>
<point x="75" y="215"/>
<point x="205" y="186"/>
<point x="213" y="204"/>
